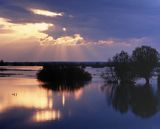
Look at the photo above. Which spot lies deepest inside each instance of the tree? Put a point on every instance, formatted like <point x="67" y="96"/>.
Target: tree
<point x="145" y="59"/>
<point x="122" y="66"/>
<point x="63" y="77"/>
<point x="1" y="62"/>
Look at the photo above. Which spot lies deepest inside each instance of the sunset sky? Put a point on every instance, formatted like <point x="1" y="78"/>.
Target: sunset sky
<point x="76" y="30"/>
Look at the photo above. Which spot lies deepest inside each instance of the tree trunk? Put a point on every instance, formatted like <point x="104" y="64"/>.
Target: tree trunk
<point x="147" y="80"/>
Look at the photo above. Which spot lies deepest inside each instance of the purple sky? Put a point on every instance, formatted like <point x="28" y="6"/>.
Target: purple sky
<point x="76" y="30"/>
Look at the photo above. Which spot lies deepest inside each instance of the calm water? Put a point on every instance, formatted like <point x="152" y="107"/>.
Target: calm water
<point x="25" y="104"/>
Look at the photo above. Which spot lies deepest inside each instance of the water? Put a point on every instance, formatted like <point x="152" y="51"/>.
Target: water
<point x="25" y="104"/>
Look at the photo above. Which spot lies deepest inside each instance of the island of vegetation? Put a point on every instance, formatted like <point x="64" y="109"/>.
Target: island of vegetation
<point x="63" y="77"/>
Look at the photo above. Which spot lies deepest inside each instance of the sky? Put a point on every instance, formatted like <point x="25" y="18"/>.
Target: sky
<point x="76" y="30"/>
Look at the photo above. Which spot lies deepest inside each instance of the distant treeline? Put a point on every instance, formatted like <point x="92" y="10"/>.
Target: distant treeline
<point x="83" y="64"/>
<point x="91" y="64"/>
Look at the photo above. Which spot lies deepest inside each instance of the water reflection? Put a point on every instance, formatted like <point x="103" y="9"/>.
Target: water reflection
<point x="47" y="103"/>
<point x="139" y="99"/>
<point x="61" y="87"/>
<point x="41" y="107"/>
<point x="66" y="89"/>
<point x="46" y="115"/>
<point x="26" y="97"/>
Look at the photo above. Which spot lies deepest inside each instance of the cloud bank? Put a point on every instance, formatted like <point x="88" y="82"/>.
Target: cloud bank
<point x="93" y="30"/>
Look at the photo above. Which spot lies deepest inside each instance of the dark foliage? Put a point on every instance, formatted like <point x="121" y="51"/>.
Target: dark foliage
<point x="145" y="59"/>
<point x="141" y="64"/>
<point x="122" y="67"/>
<point x="2" y="63"/>
<point x="63" y="77"/>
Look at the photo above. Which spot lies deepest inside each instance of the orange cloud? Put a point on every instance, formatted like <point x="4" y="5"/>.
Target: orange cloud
<point x="35" y="32"/>
<point x="69" y="40"/>
<point x="23" y="31"/>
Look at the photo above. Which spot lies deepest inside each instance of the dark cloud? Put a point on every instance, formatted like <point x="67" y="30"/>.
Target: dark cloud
<point x="98" y="19"/>
<point x="107" y="25"/>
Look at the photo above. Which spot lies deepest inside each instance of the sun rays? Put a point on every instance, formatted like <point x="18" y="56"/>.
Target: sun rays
<point x="35" y="41"/>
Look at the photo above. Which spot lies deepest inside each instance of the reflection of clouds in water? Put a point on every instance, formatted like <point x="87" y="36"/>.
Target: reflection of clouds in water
<point x="31" y="96"/>
<point x="46" y="115"/>
<point x="27" y="96"/>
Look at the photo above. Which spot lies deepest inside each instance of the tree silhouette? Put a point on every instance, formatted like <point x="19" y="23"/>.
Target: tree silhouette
<point x="122" y="66"/>
<point x="1" y="62"/>
<point x="145" y="59"/>
<point x="63" y="77"/>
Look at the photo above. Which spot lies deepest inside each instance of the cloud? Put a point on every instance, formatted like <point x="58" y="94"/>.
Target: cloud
<point x="23" y="42"/>
<point x="70" y="40"/>
<point x="35" y="32"/>
<point x="75" y="39"/>
<point x="17" y="31"/>
<point x="104" y="19"/>
<point x="38" y="32"/>
<point x="46" y="12"/>
<point x="127" y="42"/>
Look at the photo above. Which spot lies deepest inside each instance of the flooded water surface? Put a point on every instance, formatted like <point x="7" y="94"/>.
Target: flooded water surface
<point x="25" y="103"/>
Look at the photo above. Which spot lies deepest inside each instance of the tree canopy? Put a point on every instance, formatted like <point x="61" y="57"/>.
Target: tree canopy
<point x="145" y="59"/>
<point x="140" y="64"/>
<point x="121" y="62"/>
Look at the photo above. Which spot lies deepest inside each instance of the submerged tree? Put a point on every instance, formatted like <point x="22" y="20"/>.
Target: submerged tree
<point x="145" y="59"/>
<point x="122" y="66"/>
<point x="141" y="64"/>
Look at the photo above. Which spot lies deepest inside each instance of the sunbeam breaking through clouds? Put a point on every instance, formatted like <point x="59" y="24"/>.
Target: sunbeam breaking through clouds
<point x="92" y="34"/>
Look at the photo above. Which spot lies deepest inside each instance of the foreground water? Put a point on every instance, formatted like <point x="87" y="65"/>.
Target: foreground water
<point x="25" y="104"/>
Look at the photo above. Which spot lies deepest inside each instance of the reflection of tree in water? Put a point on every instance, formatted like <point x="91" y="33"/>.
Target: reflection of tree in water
<point x="63" y="77"/>
<point x="139" y="99"/>
<point x="63" y="86"/>
<point x="120" y="98"/>
<point x="143" y="102"/>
